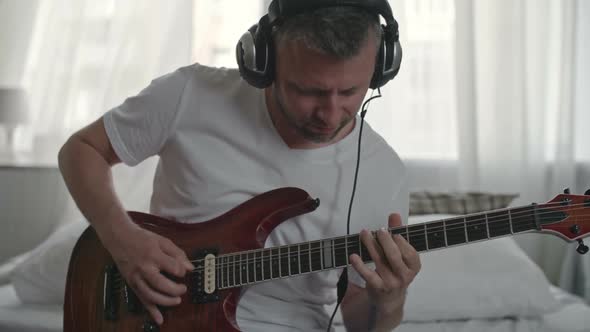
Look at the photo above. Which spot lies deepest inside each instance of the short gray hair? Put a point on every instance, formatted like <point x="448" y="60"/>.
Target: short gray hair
<point x="338" y="31"/>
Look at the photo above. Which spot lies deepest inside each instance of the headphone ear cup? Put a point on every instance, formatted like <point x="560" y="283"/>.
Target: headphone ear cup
<point x="388" y="60"/>
<point x="255" y="57"/>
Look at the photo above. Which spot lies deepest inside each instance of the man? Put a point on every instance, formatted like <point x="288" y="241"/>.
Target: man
<point x="221" y="141"/>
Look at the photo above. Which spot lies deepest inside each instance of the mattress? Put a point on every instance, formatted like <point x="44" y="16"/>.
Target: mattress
<point x="574" y="316"/>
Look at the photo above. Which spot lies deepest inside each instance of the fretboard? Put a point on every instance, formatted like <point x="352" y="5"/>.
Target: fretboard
<point x="249" y="267"/>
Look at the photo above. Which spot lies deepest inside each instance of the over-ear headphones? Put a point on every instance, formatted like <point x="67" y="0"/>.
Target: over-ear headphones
<point x="255" y="50"/>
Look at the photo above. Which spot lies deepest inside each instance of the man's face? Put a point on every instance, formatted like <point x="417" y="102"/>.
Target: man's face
<point x="315" y="96"/>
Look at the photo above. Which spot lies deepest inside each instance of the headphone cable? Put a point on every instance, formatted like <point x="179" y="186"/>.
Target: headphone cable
<point x="342" y="284"/>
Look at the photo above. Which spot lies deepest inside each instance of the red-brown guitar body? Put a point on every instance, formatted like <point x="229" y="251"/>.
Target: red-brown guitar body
<point x="244" y="227"/>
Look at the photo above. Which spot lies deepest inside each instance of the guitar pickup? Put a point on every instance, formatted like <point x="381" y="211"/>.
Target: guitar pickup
<point x="203" y="280"/>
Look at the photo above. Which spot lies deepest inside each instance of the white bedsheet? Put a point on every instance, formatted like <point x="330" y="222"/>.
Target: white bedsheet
<point x="574" y="316"/>
<point x="18" y="317"/>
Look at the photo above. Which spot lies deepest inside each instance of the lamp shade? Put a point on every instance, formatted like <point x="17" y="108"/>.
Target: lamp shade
<point x="14" y="106"/>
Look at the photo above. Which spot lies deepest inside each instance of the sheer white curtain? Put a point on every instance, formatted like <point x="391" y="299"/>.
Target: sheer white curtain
<point x="516" y="110"/>
<point x="87" y="56"/>
<point x="489" y="99"/>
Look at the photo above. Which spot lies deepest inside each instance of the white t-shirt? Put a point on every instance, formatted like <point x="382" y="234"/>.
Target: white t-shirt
<point x="218" y="148"/>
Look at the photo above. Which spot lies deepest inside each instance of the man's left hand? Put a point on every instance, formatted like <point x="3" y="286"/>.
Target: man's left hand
<point x="396" y="265"/>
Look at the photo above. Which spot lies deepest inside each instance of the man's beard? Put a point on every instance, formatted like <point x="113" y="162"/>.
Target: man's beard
<point x="304" y="128"/>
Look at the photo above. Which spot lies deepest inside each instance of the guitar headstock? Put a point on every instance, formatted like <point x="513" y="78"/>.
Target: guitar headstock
<point x="576" y="224"/>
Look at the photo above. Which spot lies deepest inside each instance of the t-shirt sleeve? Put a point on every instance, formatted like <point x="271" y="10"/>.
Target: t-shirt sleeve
<point x="140" y="127"/>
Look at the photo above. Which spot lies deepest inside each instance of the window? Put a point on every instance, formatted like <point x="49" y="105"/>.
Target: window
<point x="217" y="27"/>
<point x="417" y="114"/>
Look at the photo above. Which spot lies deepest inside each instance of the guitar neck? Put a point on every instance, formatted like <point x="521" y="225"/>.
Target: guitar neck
<point x="250" y="267"/>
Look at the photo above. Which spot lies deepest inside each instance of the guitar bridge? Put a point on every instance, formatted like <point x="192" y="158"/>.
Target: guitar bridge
<point x="110" y="291"/>
<point x="203" y="281"/>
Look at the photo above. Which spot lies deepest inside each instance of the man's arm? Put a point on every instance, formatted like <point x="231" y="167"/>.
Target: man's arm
<point x="359" y="314"/>
<point x="85" y="162"/>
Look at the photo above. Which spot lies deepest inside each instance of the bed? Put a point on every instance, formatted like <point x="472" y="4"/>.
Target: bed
<point x="490" y="287"/>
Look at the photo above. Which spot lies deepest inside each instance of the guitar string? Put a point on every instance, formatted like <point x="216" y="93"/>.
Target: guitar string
<point x="355" y="242"/>
<point x="416" y="233"/>
<point x="284" y="259"/>
<point x="415" y="240"/>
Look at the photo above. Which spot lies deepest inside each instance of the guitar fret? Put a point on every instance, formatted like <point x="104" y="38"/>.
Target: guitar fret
<point x="340" y="252"/>
<point x="293" y="261"/>
<point x="316" y="256"/>
<point x="233" y="268"/>
<point x="445" y="232"/>
<point x="510" y="222"/>
<point x="219" y="272"/>
<point x="426" y="238"/>
<point x="263" y="266"/>
<point x="435" y="237"/>
<point x="474" y="227"/>
<point x="258" y="275"/>
<point x="333" y="244"/>
<point x="487" y="225"/>
<point x="250" y="266"/>
<point x="417" y="237"/>
<point x="523" y="220"/>
<point x="327" y="261"/>
<point x="299" y="256"/>
<point x="289" y="258"/>
<point x="465" y="226"/>
<point x="244" y="269"/>
<point x="266" y="268"/>
<point x="309" y="256"/>
<point x="305" y="259"/>
<point x="321" y="255"/>
<point x="536" y="215"/>
<point x="499" y="224"/>
<point x="276" y="263"/>
<point x="360" y="247"/>
<point x="225" y="269"/>
<point x="284" y="261"/>
<point x="346" y="249"/>
<point x="455" y="231"/>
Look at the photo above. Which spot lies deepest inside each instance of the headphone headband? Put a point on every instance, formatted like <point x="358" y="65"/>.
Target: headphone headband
<point x="281" y="9"/>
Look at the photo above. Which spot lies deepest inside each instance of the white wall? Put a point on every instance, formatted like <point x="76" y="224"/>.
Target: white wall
<point x="32" y="201"/>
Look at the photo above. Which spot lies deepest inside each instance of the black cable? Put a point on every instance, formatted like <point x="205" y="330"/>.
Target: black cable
<point x="342" y="284"/>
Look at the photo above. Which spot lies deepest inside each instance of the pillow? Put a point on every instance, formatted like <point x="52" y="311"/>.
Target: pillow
<point x="488" y="279"/>
<point x="425" y="202"/>
<point x="41" y="277"/>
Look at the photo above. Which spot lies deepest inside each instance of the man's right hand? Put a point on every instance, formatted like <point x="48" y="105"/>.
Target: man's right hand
<point x="142" y="257"/>
<point x="85" y="162"/>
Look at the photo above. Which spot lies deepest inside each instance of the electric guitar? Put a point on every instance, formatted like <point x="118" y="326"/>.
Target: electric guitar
<point x="228" y="253"/>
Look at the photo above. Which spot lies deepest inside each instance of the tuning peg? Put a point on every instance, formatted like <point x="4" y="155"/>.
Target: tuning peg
<point x="587" y="193"/>
<point x="566" y="191"/>
<point x="582" y="248"/>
